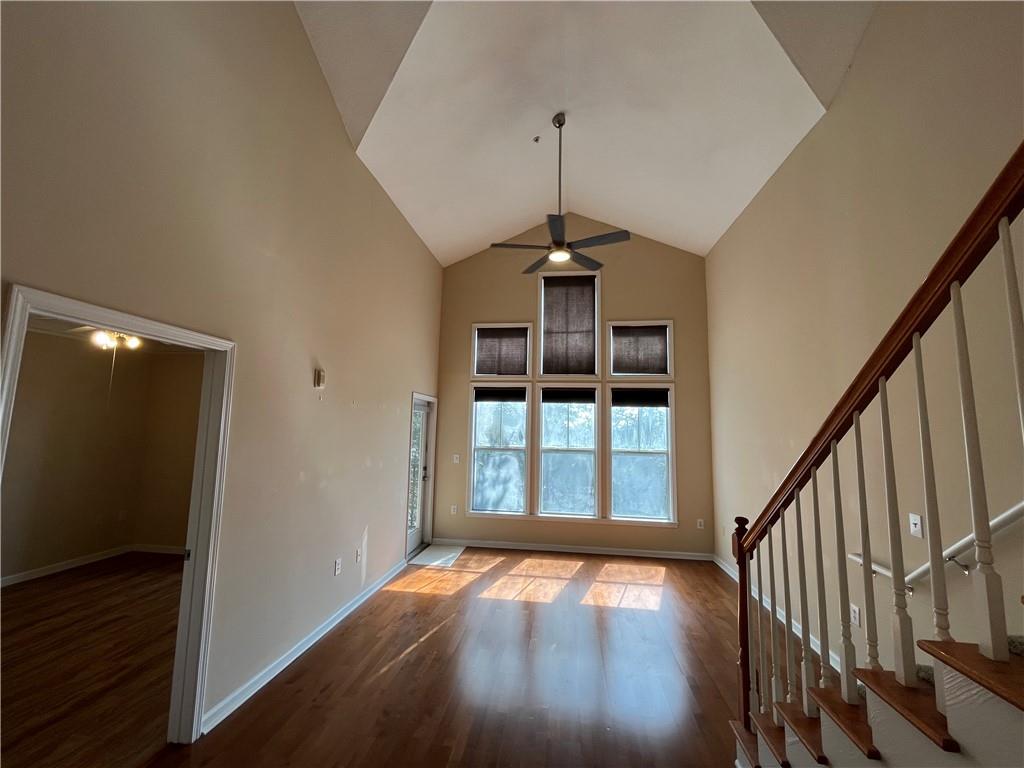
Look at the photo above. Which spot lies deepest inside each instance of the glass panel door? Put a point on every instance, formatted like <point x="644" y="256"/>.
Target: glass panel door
<point x="418" y="476"/>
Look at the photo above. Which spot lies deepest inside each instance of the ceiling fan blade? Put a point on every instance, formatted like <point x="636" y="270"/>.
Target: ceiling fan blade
<point x="536" y="265"/>
<point x="585" y="261"/>
<point x="556" y="225"/>
<point x="606" y="239"/>
<point x="520" y="245"/>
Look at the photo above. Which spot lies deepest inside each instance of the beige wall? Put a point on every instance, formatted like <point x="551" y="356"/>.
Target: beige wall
<point x="805" y="283"/>
<point x="641" y="280"/>
<point x="87" y="473"/>
<point x="186" y="162"/>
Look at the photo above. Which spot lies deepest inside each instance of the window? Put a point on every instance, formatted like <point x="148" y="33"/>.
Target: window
<point x="501" y="350"/>
<point x="641" y="349"/>
<point x="569" y="318"/>
<point x="568" y="456"/>
<point x="499" y="449"/>
<point x="641" y="457"/>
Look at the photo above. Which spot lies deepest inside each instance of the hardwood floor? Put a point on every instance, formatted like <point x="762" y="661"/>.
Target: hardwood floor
<point x="86" y="663"/>
<point x="508" y="659"/>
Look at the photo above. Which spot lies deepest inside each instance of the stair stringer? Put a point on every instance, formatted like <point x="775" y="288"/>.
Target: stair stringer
<point x="988" y="729"/>
<point x="902" y="745"/>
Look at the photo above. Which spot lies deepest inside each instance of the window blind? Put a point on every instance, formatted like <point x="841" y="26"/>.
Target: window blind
<point x="650" y="398"/>
<point x="501" y="351"/>
<point x="499" y="395"/>
<point x="640" y="349"/>
<point x="567" y="395"/>
<point x="569" y="333"/>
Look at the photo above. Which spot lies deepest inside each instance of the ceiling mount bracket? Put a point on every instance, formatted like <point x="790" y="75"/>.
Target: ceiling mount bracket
<point x="558" y="120"/>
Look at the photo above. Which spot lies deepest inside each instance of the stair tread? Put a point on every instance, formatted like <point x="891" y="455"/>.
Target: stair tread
<point x="774" y="736"/>
<point x="1003" y="678"/>
<point x="915" y="703"/>
<point x="807" y="729"/>
<point x="852" y="719"/>
<point x="747" y="741"/>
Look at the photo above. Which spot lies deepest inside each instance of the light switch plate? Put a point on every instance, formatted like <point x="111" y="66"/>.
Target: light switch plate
<point x="359" y="554"/>
<point x="854" y="615"/>
<point x="916" y="526"/>
<point x="700" y="524"/>
<point x="337" y="567"/>
<point x="456" y="459"/>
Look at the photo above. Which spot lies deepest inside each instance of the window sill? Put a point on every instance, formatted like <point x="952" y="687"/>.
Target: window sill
<point x="573" y="519"/>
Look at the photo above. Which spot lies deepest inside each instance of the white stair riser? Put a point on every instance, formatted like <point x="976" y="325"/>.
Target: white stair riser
<point x="797" y="753"/>
<point x="741" y="758"/>
<point x="902" y="744"/>
<point x="841" y="752"/>
<point x="764" y="755"/>
<point x="987" y="728"/>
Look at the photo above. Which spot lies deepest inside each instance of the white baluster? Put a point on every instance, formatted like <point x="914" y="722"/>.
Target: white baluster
<point x="1016" y="315"/>
<point x="870" y="617"/>
<point x="776" y="680"/>
<point x="807" y="667"/>
<point x="823" y="646"/>
<point x="765" y="675"/>
<point x="937" y="569"/>
<point x="788" y="608"/>
<point x="902" y="626"/>
<point x="987" y="583"/>
<point x="847" y="656"/>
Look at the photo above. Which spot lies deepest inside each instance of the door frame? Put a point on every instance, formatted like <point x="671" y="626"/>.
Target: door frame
<point x="192" y="647"/>
<point x="428" y="493"/>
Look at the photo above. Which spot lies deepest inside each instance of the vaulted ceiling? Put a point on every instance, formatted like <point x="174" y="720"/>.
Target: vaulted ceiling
<point x="677" y="112"/>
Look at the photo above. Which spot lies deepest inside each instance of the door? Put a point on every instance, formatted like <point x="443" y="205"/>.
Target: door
<point x="418" y="502"/>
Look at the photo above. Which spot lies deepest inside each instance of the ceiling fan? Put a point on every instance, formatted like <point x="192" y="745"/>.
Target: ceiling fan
<point x="560" y="250"/>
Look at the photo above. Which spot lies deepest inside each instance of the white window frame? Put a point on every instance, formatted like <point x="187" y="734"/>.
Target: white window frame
<point x="538" y="468"/>
<point x="471" y="453"/>
<point x="673" y="517"/>
<point x="596" y="375"/>
<point x="670" y="340"/>
<point x="493" y="376"/>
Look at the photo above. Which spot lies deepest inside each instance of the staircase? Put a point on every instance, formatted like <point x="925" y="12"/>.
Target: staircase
<point x="797" y="707"/>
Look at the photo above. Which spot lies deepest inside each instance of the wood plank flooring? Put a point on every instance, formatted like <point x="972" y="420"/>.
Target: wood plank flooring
<point x="508" y="659"/>
<point x="86" y="663"/>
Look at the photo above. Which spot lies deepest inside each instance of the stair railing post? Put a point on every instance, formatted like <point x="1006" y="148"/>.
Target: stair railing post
<point x="773" y="622"/>
<point x="867" y="566"/>
<point x="823" y="645"/>
<point x="762" y="651"/>
<point x="847" y="655"/>
<point x="987" y="583"/>
<point x="751" y="652"/>
<point x="807" y="667"/>
<point x="902" y="626"/>
<point x="741" y="618"/>
<point x="937" y="566"/>
<point x="1016" y="315"/>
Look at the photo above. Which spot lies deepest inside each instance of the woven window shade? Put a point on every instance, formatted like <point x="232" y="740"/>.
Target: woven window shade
<point x="640" y="349"/>
<point x="569" y="333"/>
<point x="501" y="351"/>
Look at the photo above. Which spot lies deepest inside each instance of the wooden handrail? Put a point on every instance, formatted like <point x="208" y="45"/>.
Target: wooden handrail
<point x="1004" y="198"/>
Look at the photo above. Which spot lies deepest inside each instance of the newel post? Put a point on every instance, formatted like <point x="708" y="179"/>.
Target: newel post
<point x="742" y="618"/>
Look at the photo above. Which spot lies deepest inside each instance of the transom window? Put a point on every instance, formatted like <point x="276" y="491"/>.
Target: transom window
<point x="569" y="318"/>
<point x="640" y="350"/>
<point x="568" y="458"/>
<point x="501" y="350"/>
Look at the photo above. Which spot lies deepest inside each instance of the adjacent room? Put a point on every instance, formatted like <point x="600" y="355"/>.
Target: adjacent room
<point x="569" y="384"/>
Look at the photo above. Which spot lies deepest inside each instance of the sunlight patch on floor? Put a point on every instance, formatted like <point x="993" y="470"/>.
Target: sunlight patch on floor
<point x="529" y="589"/>
<point x="624" y="573"/>
<point x="432" y="581"/>
<point x="536" y="566"/>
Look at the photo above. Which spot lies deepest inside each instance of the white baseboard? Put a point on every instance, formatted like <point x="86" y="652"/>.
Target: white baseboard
<point x="795" y="626"/>
<point x="75" y="562"/>
<point x="216" y="714"/>
<point x="572" y="548"/>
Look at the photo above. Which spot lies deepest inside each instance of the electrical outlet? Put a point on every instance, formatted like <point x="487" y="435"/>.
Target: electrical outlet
<point x="916" y="526"/>
<point x="700" y="524"/>
<point x="854" y="615"/>
<point x="337" y="567"/>
<point x="359" y="554"/>
<point x="455" y="509"/>
<point x="456" y="459"/>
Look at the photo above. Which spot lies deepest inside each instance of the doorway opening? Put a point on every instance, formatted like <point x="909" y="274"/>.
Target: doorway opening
<point x="419" y="509"/>
<point x="143" y="416"/>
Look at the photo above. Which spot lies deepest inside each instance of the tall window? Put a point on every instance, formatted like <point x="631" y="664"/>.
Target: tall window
<point x="569" y="318"/>
<point x="568" y="458"/>
<point x="499" y="449"/>
<point x="641" y="455"/>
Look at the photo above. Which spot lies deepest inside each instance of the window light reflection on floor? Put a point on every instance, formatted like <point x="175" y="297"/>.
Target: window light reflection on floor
<point x="620" y="585"/>
<point x="445" y="580"/>
<point x="547" y="567"/>
<point x="526" y="589"/>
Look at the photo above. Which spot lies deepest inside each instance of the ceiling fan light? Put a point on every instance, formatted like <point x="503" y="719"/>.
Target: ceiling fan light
<point x="104" y="340"/>
<point x="558" y="255"/>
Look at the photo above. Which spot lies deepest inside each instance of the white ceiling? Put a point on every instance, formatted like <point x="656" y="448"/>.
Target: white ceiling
<point x="678" y="113"/>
